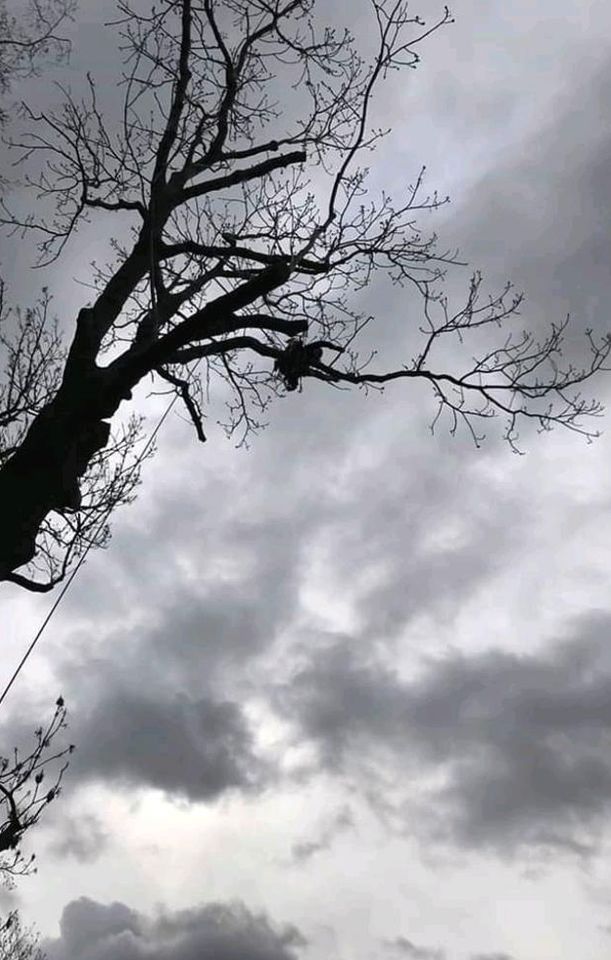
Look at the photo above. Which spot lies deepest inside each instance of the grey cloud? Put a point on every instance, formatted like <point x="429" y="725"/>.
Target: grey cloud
<point x="85" y="924"/>
<point x="215" y="931"/>
<point x="407" y="948"/>
<point x="161" y="707"/>
<point x="79" y="836"/>
<point x="159" y="703"/>
<point x="491" y="956"/>
<point x="403" y="506"/>
<point x="407" y="509"/>
<point x="301" y="852"/>
<point x="520" y="742"/>
<point x="306" y="849"/>
<point x="201" y="523"/>
<point x="208" y="637"/>
<point x="540" y="216"/>
<point x="197" y="748"/>
<point x="134" y="726"/>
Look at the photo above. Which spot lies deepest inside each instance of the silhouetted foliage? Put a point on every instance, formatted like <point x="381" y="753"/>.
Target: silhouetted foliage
<point x="28" y="784"/>
<point x="17" y="943"/>
<point x="29" y="781"/>
<point x="248" y="233"/>
<point x="29" y="36"/>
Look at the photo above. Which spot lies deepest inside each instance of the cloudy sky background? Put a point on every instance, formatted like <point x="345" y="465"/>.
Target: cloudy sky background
<point x="347" y="694"/>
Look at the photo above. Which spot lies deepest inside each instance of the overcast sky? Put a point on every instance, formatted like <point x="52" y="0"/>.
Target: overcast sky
<point x="347" y="694"/>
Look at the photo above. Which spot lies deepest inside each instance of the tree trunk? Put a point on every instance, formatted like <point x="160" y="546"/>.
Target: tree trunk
<point x="44" y="472"/>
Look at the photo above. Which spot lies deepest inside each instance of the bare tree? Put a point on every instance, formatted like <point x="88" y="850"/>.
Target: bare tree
<point x="30" y="34"/>
<point x="247" y="234"/>
<point x="17" y="943"/>
<point x="28" y="784"/>
<point x="27" y="41"/>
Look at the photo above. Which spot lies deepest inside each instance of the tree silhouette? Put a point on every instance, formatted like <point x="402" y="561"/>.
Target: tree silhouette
<point x="28" y="784"/>
<point x="17" y="943"/>
<point x="31" y="38"/>
<point x="26" y="42"/>
<point x="246" y="233"/>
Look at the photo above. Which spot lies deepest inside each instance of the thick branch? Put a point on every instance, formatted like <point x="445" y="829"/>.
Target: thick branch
<point x="178" y="101"/>
<point x="228" y="345"/>
<point x="241" y="176"/>
<point x="216" y="318"/>
<point x="191" y="406"/>
<point x="114" y="205"/>
<point x="234" y="250"/>
<point x="34" y="586"/>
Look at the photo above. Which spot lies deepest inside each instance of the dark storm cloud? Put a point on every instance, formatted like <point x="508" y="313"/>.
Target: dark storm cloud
<point x="150" y="714"/>
<point x="94" y="931"/>
<point x="208" y="639"/>
<point x="521" y="742"/>
<point x="159" y="704"/>
<point x="217" y="568"/>
<point x="154" y="705"/>
<point x="196" y="748"/>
